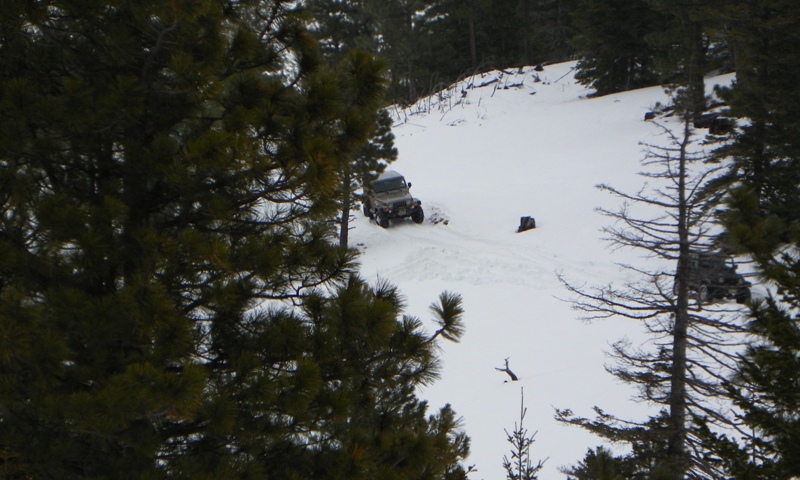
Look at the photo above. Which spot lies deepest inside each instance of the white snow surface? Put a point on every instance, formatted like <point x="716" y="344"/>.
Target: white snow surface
<point x="530" y="144"/>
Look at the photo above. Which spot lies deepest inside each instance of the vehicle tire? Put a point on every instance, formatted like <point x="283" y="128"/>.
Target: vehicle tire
<point x="715" y="294"/>
<point x="703" y="294"/>
<point x="383" y="219"/>
<point x="417" y="215"/>
<point x="368" y="211"/>
<point x="742" y="295"/>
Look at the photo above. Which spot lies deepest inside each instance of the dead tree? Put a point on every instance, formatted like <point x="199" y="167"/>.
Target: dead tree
<point x="693" y="345"/>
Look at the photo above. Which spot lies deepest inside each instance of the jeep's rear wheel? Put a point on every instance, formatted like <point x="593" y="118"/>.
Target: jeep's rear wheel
<point x="417" y="215"/>
<point x="368" y="211"/>
<point x="703" y="294"/>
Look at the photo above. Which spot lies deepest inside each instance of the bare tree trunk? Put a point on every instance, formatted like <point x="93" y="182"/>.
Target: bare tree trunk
<point x="412" y="84"/>
<point x="696" y="73"/>
<point x="526" y="34"/>
<point x="473" y="48"/>
<point x="344" y="221"/>
<point x="676" y="450"/>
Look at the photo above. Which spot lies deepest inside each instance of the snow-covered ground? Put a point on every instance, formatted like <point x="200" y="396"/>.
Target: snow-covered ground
<point x="529" y="144"/>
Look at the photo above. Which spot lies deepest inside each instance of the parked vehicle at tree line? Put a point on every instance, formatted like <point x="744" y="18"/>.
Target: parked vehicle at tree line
<point x="388" y="198"/>
<point x="712" y="276"/>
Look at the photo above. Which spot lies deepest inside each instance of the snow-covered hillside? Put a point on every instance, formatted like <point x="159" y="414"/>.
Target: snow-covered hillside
<point x="530" y="143"/>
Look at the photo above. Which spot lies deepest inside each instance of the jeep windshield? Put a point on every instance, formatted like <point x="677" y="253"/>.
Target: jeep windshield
<point x="393" y="183"/>
<point x="710" y="261"/>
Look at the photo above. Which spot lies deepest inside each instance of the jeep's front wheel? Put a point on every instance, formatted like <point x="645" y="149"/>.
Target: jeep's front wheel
<point x="417" y="215"/>
<point x="383" y="219"/>
<point x="742" y="295"/>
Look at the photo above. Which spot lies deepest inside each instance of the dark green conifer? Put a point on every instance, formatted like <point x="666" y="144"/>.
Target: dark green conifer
<point x="610" y="41"/>
<point x="761" y="219"/>
<point x="681" y="44"/>
<point x="766" y="392"/>
<point x="765" y="389"/>
<point x="343" y="26"/>
<point x="763" y="148"/>
<point x="600" y="464"/>
<point x="363" y="88"/>
<point x="167" y="172"/>
<point x="371" y="358"/>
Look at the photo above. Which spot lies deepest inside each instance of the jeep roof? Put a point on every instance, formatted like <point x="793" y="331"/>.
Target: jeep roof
<point x="388" y="174"/>
<point x="389" y="180"/>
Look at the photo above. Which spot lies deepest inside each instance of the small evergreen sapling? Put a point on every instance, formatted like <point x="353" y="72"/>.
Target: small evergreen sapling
<point x="520" y="466"/>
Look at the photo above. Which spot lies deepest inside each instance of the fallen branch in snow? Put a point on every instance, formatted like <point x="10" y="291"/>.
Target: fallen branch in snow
<point x="508" y="371"/>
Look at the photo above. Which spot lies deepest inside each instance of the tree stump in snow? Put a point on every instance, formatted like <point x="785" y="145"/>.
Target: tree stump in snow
<point x="526" y="223"/>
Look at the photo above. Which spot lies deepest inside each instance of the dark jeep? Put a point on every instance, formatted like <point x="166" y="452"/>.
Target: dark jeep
<point x="388" y="198"/>
<point x="713" y="276"/>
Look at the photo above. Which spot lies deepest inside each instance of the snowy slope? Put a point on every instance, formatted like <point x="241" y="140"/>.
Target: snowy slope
<point x="530" y="143"/>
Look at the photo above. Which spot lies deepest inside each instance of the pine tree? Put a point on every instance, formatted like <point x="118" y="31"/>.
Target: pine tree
<point x="347" y="33"/>
<point x="766" y="394"/>
<point x="682" y="45"/>
<point x="364" y="141"/>
<point x="549" y="30"/>
<point x="404" y="43"/>
<point x="371" y="358"/>
<point x="368" y="162"/>
<point x="343" y="26"/>
<point x="600" y="464"/>
<point x="168" y="170"/>
<point x="614" y="55"/>
<point x="762" y="148"/>
<point x="760" y="218"/>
